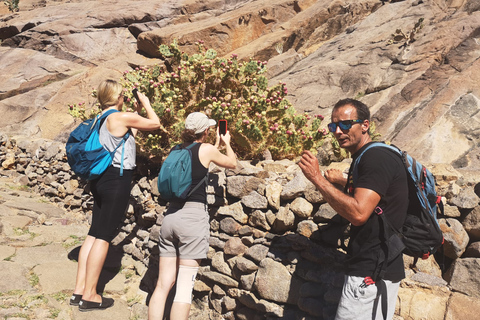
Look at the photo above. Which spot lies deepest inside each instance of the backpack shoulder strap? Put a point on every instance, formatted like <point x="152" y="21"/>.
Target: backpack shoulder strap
<point x="372" y="145"/>
<point x="107" y="113"/>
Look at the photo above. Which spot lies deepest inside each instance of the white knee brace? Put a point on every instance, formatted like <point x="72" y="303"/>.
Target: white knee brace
<point x="185" y="281"/>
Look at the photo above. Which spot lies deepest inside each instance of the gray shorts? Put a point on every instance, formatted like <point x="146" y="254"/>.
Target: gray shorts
<point x="185" y="231"/>
<point x="361" y="302"/>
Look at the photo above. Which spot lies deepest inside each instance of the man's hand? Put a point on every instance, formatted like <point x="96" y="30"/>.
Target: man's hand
<point x="309" y="165"/>
<point x="335" y="176"/>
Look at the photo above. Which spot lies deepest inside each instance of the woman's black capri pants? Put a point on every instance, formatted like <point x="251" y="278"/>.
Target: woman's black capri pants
<point x="111" y="193"/>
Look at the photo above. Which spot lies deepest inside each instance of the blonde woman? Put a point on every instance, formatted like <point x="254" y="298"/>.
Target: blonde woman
<point x="111" y="190"/>
<point x="185" y="232"/>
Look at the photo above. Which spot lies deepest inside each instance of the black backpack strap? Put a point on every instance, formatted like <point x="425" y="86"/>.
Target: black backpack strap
<point x="382" y="292"/>
<point x="205" y="179"/>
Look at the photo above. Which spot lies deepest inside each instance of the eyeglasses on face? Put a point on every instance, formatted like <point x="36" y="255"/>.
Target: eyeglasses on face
<point x="344" y="124"/>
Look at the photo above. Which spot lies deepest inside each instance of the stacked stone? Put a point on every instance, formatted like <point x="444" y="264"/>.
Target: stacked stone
<point x="273" y="250"/>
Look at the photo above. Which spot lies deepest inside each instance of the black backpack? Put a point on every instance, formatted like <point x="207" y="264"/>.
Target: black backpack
<point x="420" y="235"/>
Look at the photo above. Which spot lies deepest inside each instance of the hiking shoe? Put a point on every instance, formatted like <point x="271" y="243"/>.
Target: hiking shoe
<point x="85" y="305"/>
<point x="75" y="299"/>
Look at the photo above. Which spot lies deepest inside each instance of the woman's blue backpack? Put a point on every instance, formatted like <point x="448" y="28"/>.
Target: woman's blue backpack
<point x="175" y="177"/>
<point x="85" y="155"/>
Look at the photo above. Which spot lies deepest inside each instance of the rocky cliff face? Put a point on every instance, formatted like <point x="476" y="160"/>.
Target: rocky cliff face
<point x="413" y="62"/>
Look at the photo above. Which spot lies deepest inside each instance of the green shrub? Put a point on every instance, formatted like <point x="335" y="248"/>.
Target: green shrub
<point x="259" y="117"/>
<point x="12" y="5"/>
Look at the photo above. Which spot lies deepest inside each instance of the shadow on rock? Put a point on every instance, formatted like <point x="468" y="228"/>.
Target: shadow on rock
<point x="111" y="267"/>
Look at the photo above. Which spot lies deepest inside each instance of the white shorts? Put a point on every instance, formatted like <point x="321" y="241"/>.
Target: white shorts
<point x="185" y="231"/>
<point x="364" y="302"/>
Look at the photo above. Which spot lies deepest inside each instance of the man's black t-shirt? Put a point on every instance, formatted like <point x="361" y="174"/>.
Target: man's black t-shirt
<point x="382" y="171"/>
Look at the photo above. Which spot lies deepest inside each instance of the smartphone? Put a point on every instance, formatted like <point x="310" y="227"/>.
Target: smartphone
<point x="222" y="126"/>
<point x="135" y="94"/>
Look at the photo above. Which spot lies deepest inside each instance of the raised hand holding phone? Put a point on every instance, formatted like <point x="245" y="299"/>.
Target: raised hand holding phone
<point x="135" y="94"/>
<point x="222" y="124"/>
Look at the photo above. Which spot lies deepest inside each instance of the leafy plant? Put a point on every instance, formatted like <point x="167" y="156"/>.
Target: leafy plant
<point x="12" y="5"/>
<point x="33" y="279"/>
<point x="260" y="118"/>
<point x="407" y="37"/>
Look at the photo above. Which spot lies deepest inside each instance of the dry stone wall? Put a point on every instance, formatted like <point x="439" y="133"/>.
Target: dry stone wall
<point x="272" y="250"/>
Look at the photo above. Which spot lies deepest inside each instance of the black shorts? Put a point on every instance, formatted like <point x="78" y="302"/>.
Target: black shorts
<point x="111" y="193"/>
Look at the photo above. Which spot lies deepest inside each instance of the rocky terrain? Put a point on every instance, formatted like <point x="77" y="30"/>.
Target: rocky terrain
<point x="421" y="84"/>
<point x="415" y="62"/>
<point x="272" y="247"/>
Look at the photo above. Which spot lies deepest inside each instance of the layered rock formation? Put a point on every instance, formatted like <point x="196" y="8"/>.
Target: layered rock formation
<point x="413" y="62"/>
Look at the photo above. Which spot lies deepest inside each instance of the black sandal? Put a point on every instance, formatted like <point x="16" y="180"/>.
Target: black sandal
<point x="75" y="299"/>
<point x="85" y="305"/>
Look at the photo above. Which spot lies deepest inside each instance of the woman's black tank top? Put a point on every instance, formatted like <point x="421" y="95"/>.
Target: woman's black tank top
<point x="198" y="173"/>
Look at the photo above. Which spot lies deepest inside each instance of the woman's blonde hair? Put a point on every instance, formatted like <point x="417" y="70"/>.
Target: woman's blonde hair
<point x="108" y="93"/>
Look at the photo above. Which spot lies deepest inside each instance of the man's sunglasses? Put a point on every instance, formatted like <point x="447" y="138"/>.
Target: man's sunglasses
<point x="344" y="125"/>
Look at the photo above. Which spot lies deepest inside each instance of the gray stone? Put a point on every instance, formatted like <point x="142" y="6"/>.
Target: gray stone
<point x="306" y="228"/>
<point x="312" y="194"/>
<point x="301" y="207"/>
<point x="234" y="247"/>
<point x="240" y="186"/>
<point x="143" y="183"/>
<point x="155" y="233"/>
<point x="250" y="300"/>
<point x="451" y="211"/>
<point x="461" y="306"/>
<point x="258" y="219"/>
<point x="273" y="282"/>
<point x="428" y="279"/>
<point x="295" y="187"/>
<point x="70" y="186"/>
<point x="255" y="201"/>
<point x="14" y="277"/>
<point x="218" y="262"/>
<point x="154" y="187"/>
<point x="471" y="223"/>
<point x="235" y="211"/>
<point x="219" y="278"/>
<point x="456" y="238"/>
<point x="463" y="276"/>
<point x="325" y="213"/>
<point x="285" y="220"/>
<point x="270" y="217"/>
<point x="473" y="250"/>
<point x="245" y="265"/>
<point x="247" y="280"/>
<point x="56" y="276"/>
<point x="35" y="205"/>
<point x="229" y="226"/>
<point x="425" y="266"/>
<point x="136" y="192"/>
<point x="466" y="199"/>
<point x="229" y="304"/>
<point x="217" y="243"/>
<point x="257" y="252"/>
<point x="272" y="192"/>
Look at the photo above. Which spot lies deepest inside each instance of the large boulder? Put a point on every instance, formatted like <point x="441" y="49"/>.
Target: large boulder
<point x="471" y="223"/>
<point x="456" y="238"/>
<point x="463" y="276"/>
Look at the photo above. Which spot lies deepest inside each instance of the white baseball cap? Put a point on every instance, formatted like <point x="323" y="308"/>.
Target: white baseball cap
<point x="198" y="122"/>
